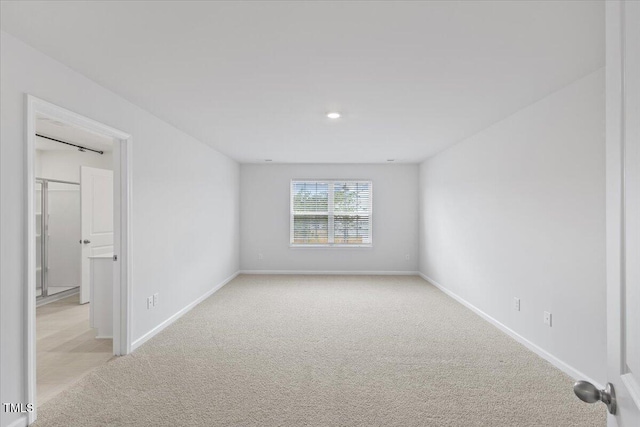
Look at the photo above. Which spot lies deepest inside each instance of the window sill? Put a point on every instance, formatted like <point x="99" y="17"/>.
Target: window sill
<point x="299" y="246"/>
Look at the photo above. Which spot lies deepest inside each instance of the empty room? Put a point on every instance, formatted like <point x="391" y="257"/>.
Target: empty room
<point x="320" y="213"/>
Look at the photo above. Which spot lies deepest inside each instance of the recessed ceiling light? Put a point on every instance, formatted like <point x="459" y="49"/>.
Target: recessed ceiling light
<point x="333" y="115"/>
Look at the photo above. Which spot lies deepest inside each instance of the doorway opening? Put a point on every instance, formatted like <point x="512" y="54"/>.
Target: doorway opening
<point x="78" y="242"/>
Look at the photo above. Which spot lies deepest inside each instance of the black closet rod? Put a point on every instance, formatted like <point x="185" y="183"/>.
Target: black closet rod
<point x="68" y="143"/>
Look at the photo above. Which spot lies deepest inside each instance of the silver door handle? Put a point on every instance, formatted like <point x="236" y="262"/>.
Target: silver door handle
<point x="589" y="393"/>
<point x="86" y="242"/>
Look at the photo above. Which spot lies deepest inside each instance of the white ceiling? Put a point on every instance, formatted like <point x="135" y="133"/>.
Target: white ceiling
<point x="68" y="133"/>
<point x="255" y="79"/>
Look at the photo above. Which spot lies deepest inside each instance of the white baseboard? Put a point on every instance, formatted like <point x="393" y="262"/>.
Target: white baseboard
<point x="563" y="366"/>
<point x="23" y="421"/>
<point x="340" y="273"/>
<point x="57" y="297"/>
<point x="146" y="337"/>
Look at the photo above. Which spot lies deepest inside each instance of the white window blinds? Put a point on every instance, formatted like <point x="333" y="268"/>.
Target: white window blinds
<point x="331" y="213"/>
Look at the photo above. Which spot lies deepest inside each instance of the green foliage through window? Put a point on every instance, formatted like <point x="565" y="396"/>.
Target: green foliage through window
<point x="331" y="213"/>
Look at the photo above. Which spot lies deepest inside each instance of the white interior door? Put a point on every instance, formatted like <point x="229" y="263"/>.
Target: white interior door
<point x="623" y="209"/>
<point x="96" y="199"/>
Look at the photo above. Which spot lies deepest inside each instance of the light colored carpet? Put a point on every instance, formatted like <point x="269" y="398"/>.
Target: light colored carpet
<point x="325" y="351"/>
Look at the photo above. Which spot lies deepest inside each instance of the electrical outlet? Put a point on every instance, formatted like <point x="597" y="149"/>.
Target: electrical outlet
<point x="547" y="318"/>
<point x="149" y="302"/>
<point x="155" y="299"/>
<point x="516" y="304"/>
<point x="407" y="257"/>
<point x="260" y="256"/>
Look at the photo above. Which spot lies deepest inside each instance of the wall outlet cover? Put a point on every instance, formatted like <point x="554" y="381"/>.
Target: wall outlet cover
<point x="547" y="318"/>
<point x="516" y="304"/>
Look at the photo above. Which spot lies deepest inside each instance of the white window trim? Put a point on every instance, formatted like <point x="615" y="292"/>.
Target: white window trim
<point x="330" y="225"/>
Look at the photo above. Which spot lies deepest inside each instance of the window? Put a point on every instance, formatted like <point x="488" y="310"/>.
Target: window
<point x="331" y="213"/>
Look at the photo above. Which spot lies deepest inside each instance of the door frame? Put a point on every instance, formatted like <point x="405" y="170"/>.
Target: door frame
<point x="625" y="385"/>
<point x="122" y="173"/>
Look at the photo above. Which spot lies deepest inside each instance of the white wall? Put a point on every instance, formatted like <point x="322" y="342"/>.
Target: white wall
<point x="518" y="210"/>
<point x="264" y="199"/>
<point x="65" y="164"/>
<point x="185" y="203"/>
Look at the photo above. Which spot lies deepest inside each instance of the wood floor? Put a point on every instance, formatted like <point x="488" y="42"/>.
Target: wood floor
<point x="66" y="346"/>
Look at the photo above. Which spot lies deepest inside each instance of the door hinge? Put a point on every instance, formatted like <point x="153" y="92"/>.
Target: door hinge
<point x="115" y="257"/>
